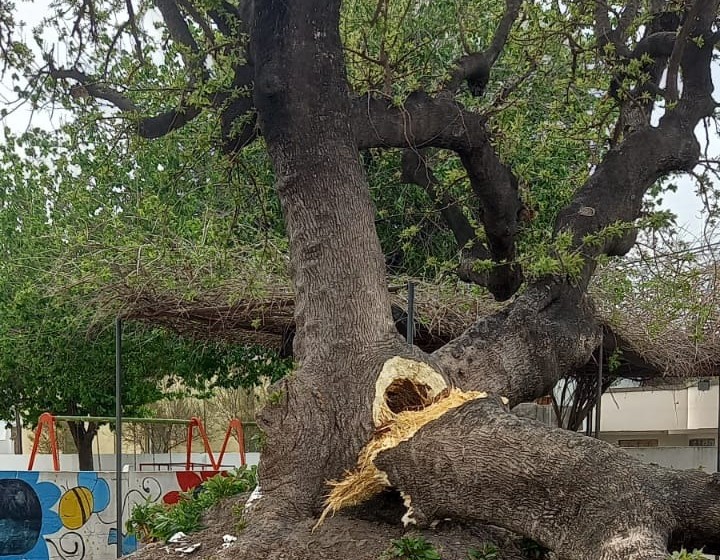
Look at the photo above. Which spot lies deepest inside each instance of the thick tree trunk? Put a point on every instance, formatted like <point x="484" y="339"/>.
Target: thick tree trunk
<point x="83" y="438"/>
<point x="522" y="351"/>
<point x="345" y="332"/>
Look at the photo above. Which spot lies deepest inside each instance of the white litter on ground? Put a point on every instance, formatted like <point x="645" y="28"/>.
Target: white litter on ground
<point x="177" y="537"/>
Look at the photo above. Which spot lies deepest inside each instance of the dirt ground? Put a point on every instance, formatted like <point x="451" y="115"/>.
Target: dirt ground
<point x="220" y="520"/>
<point x="339" y="538"/>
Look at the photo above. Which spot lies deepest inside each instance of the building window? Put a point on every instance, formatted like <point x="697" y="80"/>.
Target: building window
<point x="637" y="443"/>
<point x="702" y="442"/>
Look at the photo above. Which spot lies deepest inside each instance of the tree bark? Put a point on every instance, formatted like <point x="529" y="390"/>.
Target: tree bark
<point x="83" y="438"/>
<point x="477" y="463"/>
<point x="522" y="351"/>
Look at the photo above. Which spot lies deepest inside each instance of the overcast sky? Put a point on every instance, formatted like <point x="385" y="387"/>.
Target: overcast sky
<point x="684" y="203"/>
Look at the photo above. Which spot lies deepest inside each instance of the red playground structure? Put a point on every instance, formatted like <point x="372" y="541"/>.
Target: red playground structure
<point x="47" y="420"/>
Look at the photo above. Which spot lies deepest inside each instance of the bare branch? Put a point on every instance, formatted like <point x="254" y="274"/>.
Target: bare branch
<point x="475" y="68"/>
<point x="441" y="123"/>
<point x="90" y="88"/>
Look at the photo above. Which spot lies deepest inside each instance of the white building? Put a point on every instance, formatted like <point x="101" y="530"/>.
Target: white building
<point x="673" y="426"/>
<point x="6" y="441"/>
<point x="663" y="417"/>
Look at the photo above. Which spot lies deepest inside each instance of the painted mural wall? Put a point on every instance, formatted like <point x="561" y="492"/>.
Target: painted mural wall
<point x="71" y="515"/>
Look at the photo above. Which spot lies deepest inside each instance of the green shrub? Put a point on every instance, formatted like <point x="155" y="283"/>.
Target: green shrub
<point x="412" y="548"/>
<point x="152" y="521"/>
<point x="143" y="519"/>
<point x="487" y="551"/>
<point x="683" y="554"/>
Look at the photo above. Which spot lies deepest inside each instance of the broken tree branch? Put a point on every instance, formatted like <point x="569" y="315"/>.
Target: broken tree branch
<point x="580" y="497"/>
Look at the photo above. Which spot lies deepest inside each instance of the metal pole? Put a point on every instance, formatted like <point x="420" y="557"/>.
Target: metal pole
<point x="18" y="433"/>
<point x="125" y="419"/>
<point x="118" y="438"/>
<point x="589" y="424"/>
<point x="411" y="314"/>
<point x="598" y="400"/>
<point x="717" y="436"/>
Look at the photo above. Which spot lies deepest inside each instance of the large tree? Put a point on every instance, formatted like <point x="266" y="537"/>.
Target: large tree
<point x="637" y="76"/>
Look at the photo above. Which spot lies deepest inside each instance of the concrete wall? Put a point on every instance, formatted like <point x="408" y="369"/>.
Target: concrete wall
<point x="6" y="442"/>
<point x="702" y="408"/>
<point x="702" y="458"/>
<point x="664" y="439"/>
<point x="644" y="411"/>
<point x="72" y="516"/>
<point x="106" y="462"/>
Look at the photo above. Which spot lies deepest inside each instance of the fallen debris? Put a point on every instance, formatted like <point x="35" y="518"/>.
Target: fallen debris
<point x="188" y="549"/>
<point x="177" y="537"/>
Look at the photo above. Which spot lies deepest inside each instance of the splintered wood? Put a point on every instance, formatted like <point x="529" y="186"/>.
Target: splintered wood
<point x="367" y="480"/>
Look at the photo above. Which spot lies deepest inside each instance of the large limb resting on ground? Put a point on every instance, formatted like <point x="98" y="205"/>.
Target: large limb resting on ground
<point x="578" y="496"/>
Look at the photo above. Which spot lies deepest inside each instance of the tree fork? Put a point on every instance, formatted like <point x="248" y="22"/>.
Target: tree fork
<point x="523" y="350"/>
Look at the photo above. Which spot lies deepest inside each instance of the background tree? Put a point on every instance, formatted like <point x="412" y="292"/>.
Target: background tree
<point x="50" y="364"/>
<point x="547" y="109"/>
<point x="77" y="235"/>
